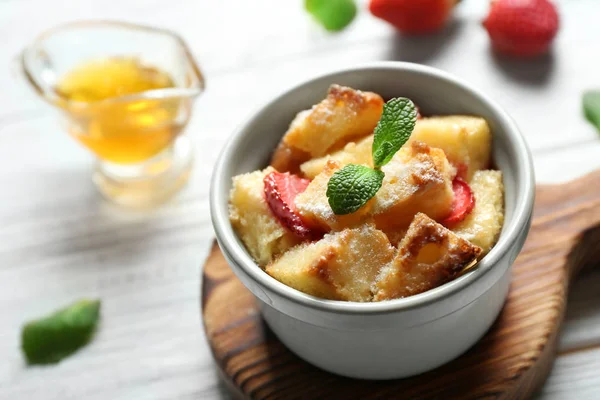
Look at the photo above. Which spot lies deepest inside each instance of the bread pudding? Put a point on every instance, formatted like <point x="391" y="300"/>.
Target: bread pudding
<point x="434" y="206"/>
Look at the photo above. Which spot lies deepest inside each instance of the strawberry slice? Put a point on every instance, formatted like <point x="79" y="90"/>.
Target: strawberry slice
<point x="281" y="190"/>
<point x="463" y="202"/>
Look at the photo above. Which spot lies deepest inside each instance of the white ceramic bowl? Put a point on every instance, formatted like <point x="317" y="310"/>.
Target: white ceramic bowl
<point x="396" y="338"/>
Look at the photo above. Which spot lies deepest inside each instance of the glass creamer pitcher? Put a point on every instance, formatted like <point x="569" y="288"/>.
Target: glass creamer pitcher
<point x="125" y="92"/>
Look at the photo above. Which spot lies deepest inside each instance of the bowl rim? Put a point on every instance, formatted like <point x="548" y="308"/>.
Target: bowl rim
<point x="234" y="251"/>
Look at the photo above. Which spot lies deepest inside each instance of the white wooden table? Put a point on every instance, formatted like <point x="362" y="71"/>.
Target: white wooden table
<point x="60" y="241"/>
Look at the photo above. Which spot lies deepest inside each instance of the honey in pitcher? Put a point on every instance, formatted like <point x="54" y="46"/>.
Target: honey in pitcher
<point x="106" y="118"/>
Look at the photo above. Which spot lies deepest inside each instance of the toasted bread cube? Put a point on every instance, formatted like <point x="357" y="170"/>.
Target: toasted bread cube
<point x="341" y="266"/>
<point x="417" y="179"/>
<point x="251" y="217"/>
<point x="288" y="159"/>
<point x="344" y="115"/>
<point x="482" y="226"/>
<point x="353" y="153"/>
<point x="395" y="236"/>
<point x="428" y="256"/>
<point x="313" y="205"/>
<point x="465" y="139"/>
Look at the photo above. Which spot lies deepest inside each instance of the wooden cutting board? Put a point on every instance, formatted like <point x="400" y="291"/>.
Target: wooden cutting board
<point x="511" y="361"/>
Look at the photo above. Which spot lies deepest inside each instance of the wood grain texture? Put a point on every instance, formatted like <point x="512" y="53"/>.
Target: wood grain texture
<point x="510" y="362"/>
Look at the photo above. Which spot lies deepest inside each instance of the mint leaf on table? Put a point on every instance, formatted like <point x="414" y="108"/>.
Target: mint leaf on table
<point x="50" y="339"/>
<point x="351" y="187"/>
<point x="334" y="15"/>
<point x="393" y="129"/>
<point x="591" y="107"/>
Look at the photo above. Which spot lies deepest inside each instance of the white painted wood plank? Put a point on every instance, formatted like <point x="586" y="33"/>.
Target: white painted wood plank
<point x="582" y="323"/>
<point x="575" y="371"/>
<point x="574" y="376"/>
<point x="59" y="242"/>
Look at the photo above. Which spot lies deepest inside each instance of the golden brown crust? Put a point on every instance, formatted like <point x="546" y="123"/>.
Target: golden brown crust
<point x="344" y="115"/>
<point x="358" y="152"/>
<point x="418" y="179"/>
<point x="313" y="205"/>
<point x="420" y="147"/>
<point x="483" y="225"/>
<point x="395" y="236"/>
<point x="341" y="266"/>
<point x="319" y="268"/>
<point x="288" y="159"/>
<point x="428" y="256"/>
<point x="466" y="140"/>
<point x="263" y="235"/>
<point x="305" y="266"/>
<point x="354" y="99"/>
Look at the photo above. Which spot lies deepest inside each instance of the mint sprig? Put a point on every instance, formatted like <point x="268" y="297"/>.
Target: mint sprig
<point x="334" y="15"/>
<point x="591" y="107"/>
<point x="393" y="129"/>
<point x="342" y="193"/>
<point x="353" y="186"/>
<point x="54" y="337"/>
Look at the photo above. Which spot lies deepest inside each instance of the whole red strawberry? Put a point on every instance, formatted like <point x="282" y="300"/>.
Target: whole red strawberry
<point x="523" y="28"/>
<point x="413" y="16"/>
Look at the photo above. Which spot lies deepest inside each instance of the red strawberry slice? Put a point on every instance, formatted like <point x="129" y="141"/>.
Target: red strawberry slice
<point x="463" y="202"/>
<point x="281" y="190"/>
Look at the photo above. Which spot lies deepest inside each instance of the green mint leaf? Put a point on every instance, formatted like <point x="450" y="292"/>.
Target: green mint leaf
<point x="591" y="107"/>
<point x="351" y="187"/>
<point x="334" y="15"/>
<point x="393" y="129"/>
<point x="52" y="338"/>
